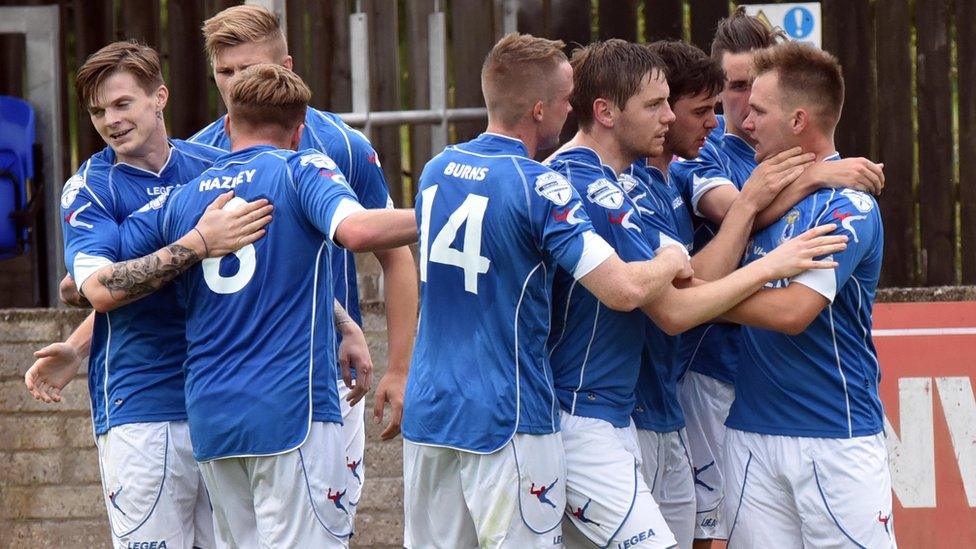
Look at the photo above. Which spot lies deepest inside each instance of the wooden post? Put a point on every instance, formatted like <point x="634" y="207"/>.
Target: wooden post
<point x="189" y="69"/>
<point x="618" y="20"/>
<point x="848" y="33"/>
<point x="664" y="19"/>
<point x="966" y="69"/>
<point x="418" y="74"/>
<point x="93" y="23"/>
<point x="384" y="66"/>
<point x="705" y="15"/>
<point x="139" y="19"/>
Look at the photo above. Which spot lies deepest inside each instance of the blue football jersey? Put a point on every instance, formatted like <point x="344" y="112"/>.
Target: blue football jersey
<point x="494" y="225"/>
<point x="358" y="162"/>
<point x="667" y="221"/>
<point x="137" y="351"/>
<point x="595" y="351"/>
<point x="712" y="349"/>
<point x="260" y="359"/>
<point x="824" y="381"/>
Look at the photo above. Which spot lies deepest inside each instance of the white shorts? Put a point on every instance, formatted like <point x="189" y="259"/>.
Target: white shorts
<point x="513" y="497"/>
<point x="607" y="499"/>
<point x="153" y="489"/>
<point x="668" y="471"/>
<point x="706" y="402"/>
<point x="807" y="492"/>
<point x="354" y="431"/>
<point x="295" y="499"/>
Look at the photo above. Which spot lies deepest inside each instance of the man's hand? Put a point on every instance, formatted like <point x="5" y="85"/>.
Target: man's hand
<point x="773" y="175"/>
<point x="69" y="294"/>
<point x="390" y="390"/>
<point x="354" y="355"/>
<point x="680" y="259"/>
<point x="856" y="173"/>
<point x="796" y="255"/>
<point x="228" y="226"/>
<point x="54" y="368"/>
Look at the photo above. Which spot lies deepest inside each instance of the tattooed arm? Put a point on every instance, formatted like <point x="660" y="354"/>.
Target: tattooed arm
<point x="218" y="233"/>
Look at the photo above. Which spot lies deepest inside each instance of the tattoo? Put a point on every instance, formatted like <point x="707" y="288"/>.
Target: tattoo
<point x="340" y="314"/>
<point x="137" y="278"/>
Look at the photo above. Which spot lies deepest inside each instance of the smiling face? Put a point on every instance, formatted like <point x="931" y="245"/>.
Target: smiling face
<point x="127" y="117"/>
<point x="231" y="60"/>
<point x="644" y="121"/>
<point x="695" y="119"/>
<point x="769" y="123"/>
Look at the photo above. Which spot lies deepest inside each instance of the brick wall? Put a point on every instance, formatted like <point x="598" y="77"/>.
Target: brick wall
<point x="50" y="493"/>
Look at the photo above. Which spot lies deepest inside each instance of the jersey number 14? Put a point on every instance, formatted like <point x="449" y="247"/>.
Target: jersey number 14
<point x="471" y="214"/>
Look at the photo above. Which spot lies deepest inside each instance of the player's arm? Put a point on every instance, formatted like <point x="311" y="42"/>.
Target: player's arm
<point x="353" y="355"/>
<point x="856" y="173"/>
<point x="788" y="310"/>
<point x="58" y="363"/>
<point x="218" y="233"/>
<point x="625" y="286"/>
<point x="368" y="230"/>
<point x="400" y="296"/>
<point x="678" y="310"/>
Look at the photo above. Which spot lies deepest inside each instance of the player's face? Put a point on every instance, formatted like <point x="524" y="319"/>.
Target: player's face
<point x="768" y="123"/>
<point x="738" y="83"/>
<point x="232" y="60"/>
<point x="126" y="117"/>
<point x="557" y="108"/>
<point x="645" y="118"/>
<point x="695" y="119"/>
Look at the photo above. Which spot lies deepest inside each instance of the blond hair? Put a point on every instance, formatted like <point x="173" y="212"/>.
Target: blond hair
<point x="129" y="56"/>
<point x="809" y="77"/>
<point x="268" y="95"/>
<point x="517" y="73"/>
<point x="242" y="25"/>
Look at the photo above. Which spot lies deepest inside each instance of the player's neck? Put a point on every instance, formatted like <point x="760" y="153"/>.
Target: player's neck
<point x="605" y="146"/>
<point x="820" y="145"/>
<point x="152" y="156"/>
<point x="246" y="142"/>
<point x="661" y="161"/>
<point x="525" y="135"/>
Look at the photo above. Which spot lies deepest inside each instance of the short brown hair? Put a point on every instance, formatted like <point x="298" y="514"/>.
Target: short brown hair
<point x="516" y="73"/>
<point x="242" y="25"/>
<point x="268" y="95"/>
<point x="740" y="33"/>
<point x="612" y="70"/>
<point x="129" y="56"/>
<point x="808" y="77"/>
<point x="689" y="71"/>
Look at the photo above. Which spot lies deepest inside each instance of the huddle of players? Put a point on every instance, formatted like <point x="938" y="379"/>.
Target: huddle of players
<point x="558" y="418"/>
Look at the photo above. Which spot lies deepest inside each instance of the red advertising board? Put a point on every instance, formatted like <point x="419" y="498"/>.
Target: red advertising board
<point x="928" y="358"/>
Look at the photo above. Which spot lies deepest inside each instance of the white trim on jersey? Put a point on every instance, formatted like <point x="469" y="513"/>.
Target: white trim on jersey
<point x="344" y="209"/>
<point x="822" y="281"/>
<point x="108" y="353"/>
<point x="586" y="357"/>
<point x="840" y="369"/>
<point x="342" y="130"/>
<point x="595" y="252"/>
<point x="668" y="241"/>
<point x="701" y="186"/>
<point x="158" y="174"/>
<point x="85" y="266"/>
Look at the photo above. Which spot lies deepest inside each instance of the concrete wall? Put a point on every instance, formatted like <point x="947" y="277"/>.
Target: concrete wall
<point x="50" y="492"/>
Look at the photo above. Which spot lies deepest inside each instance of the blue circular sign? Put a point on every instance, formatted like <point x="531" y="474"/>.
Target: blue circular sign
<point x="798" y="23"/>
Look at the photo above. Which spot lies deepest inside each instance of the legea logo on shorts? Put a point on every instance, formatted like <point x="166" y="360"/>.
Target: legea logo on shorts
<point x="635" y="539"/>
<point x="161" y="544"/>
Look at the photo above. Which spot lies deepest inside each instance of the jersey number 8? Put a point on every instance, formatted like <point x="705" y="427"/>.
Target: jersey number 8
<point x="245" y="256"/>
<point x="471" y="214"/>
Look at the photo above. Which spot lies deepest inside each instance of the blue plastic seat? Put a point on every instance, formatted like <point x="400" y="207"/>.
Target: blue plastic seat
<point x="17" y="133"/>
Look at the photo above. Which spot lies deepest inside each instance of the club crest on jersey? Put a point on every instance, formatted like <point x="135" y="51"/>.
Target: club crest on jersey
<point x="627" y="182"/>
<point x="847" y="220"/>
<point x="318" y="160"/>
<point x="72" y="218"/>
<point x="542" y="493"/>
<point x="554" y="187"/>
<point x="605" y="193"/>
<point x="71" y="188"/>
<point x="790" y="229"/>
<point x="861" y="201"/>
<point x="623" y="219"/>
<point x="568" y="215"/>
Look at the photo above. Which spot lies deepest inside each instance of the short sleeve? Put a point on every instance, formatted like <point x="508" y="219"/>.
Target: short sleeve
<point x="323" y="193"/>
<point x="564" y="229"/>
<point x="856" y="216"/>
<point x="91" y="233"/>
<point x="142" y="232"/>
<point x="694" y="178"/>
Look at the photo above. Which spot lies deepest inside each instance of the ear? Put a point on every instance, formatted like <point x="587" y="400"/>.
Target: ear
<point x="296" y="137"/>
<point x="604" y="113"/>
<point x="162" y="97"/>
<point x="288" y="62"/>
<point x="537" y="112"/>
<point x="799" y="121"/>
